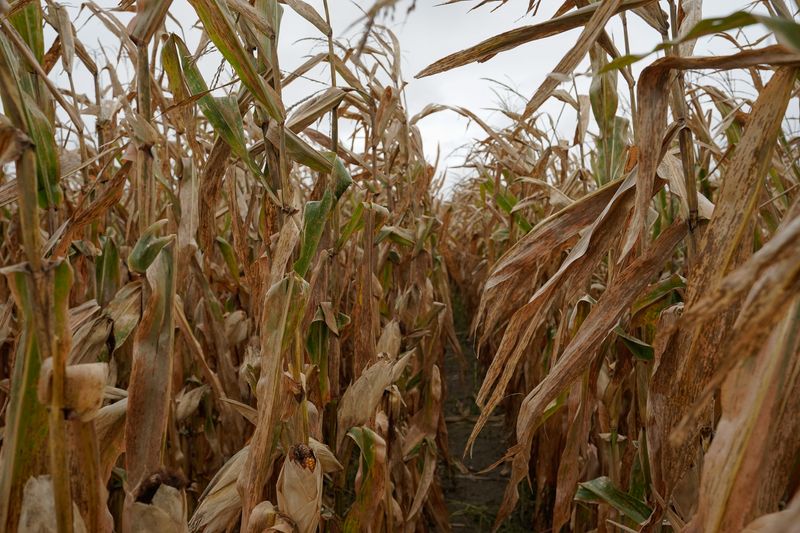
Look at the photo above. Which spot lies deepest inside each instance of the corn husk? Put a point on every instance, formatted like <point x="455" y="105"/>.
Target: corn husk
<point x="38" y="510"/>
<point x="83" y="389"/>
<point x="300" y="488"/>
<point x="167" y="512"/>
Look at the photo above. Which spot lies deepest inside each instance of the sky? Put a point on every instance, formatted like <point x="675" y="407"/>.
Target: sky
<point x="427" y="33"/>
<point x="432" y="31"/>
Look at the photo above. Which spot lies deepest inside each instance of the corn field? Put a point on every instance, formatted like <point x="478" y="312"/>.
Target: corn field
<point x="222" y="311"/>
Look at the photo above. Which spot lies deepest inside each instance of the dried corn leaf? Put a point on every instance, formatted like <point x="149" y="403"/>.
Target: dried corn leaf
<point x="149" y="390"/>
<point x="695" y="352"/>
<point x="580" y="352"/>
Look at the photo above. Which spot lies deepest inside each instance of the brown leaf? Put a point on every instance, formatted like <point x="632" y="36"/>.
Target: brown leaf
<point x="652" y="92"/>
<point x="503" y="290"/>
<point x="592" y="30"/>
<point x="511" y="39"/>
<point x="149" y="390"/>
<point x="744" y="470"/>
<point x="695" y="350"/>
<point x="572" y="274"/>
<point x="12" y="141"/>
<point x="581" y="351"/>
<point x="361" y="398"/>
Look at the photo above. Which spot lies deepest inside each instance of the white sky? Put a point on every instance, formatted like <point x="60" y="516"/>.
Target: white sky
<point x="426" y="34"/>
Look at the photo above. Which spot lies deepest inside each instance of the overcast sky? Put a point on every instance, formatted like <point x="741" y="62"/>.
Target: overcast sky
<point x="426" y="34"/>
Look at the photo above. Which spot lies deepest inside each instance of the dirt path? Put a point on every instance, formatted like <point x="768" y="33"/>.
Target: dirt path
<point x="473" y="498"/>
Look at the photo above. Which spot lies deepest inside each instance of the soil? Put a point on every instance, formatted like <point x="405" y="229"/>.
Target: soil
<point x="473" y="497"/>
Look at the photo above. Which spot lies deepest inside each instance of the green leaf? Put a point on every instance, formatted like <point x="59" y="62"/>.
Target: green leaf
<point x="603" y="92"/>
<point x="319" y="333"/>
<point x="342" y="178"/>
<point x="295" y="290"/>
<point x="25" y="114"/>
<point x="222" y="112"/>
<point x="371" y="446"/>
<point x="396" y="234"/>
<point x="640" y="349"/>
<point x="148" y="246"/>
<point x="602" y="490"/>
<point x="354" y="223"/>
<point x="658" y="291"/>
<point x="317" y="348"/>
<point x="125" y="310"/>
<point x="29" y="22"/>
<point x="506" y="201"/>
<point x="218" y="24"/>
<point x="315" y="216"/>
<point x="42" y="134"/>
<point x="522" y="222"/>
<point x="172" y="66"/>
<point x="230" y="258"/>
<point x="787" y="31"/>
<point x="107" y="272"/>
<point x="365" y="440"/>
<point x="609" y="161"/>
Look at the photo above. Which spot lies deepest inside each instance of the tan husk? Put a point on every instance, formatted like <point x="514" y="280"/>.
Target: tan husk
<point x="299" y="488"/>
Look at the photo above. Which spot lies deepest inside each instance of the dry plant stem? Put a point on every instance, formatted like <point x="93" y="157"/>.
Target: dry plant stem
<point x="28" y="216"/>
<point x="40" y="283"/>
<point x="369" y="239"/>
<point x="680" y="113"/>
<point x="332" y="265"/>
<point x="81" y="139"/>
<point x="59" y="459"/>
<point x="287" y="192"/>
<point x="259" y="461"/>
<point x="631" y="86"/>
<point x="332" y="67"/>
<point x="722" y="240"/>
<point x="144" y="159"/>
<point x="40" y="286"/>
